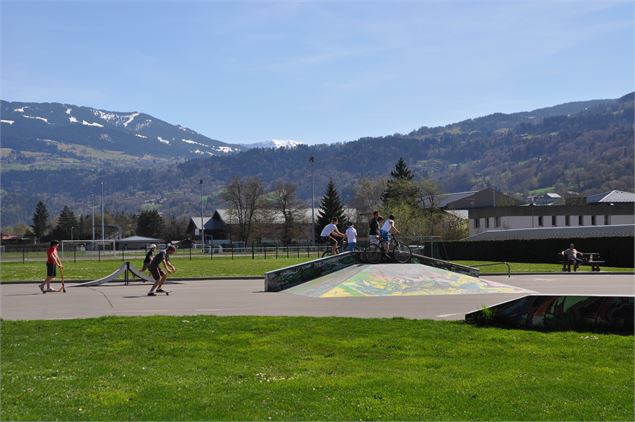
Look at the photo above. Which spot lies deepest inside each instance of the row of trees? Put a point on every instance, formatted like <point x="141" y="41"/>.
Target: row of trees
<point x="68" y="226"/>
<point x="257" y="213"/>
<point x="413" y="202"/>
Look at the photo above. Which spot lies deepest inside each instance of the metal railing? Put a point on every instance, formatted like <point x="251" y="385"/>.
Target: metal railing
<point x="509" y="270"/>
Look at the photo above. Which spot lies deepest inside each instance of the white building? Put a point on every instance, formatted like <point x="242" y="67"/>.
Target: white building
<point x="613" y="208"/>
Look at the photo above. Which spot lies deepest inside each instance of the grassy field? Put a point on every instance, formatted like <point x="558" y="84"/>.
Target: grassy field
<point x="522" y="267"/>
<point x="200" y="267"/>
<point x="219" y="267"/>
<point x="279" y="368"/>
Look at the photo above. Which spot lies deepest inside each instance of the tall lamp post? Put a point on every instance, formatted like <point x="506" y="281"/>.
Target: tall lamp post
<point x="103" y="237"/>
<point x="92" y="207"/>
<point x="312" y="161"/>
<point x="202" y="223"/>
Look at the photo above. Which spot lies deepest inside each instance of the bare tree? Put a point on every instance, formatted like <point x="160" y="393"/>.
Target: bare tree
<point x="243" y="197"/>
<point x="284" y="201"/>
<point x="429" y="202"/>
<point x="368" y="194"/>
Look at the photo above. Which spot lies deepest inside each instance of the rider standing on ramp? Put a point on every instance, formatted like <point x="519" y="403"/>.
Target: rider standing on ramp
<point x="158" y="274"/>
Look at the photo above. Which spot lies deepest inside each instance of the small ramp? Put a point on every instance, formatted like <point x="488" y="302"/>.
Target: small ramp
<point x="399" y="280"/>
<point x="125" y="268"/>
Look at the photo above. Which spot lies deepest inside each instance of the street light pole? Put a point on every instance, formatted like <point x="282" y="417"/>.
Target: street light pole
<point x="202" y="223"/>
<point x="92" y="207"/>
<point x="312" y="160"/>
<point x="103" y="237"/>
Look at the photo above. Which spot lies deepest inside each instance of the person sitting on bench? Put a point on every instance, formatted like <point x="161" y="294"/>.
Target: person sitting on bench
<point x="572" y="256"/>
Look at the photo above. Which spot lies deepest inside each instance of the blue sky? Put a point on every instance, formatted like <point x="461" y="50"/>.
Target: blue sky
<point x="316" y="71"/>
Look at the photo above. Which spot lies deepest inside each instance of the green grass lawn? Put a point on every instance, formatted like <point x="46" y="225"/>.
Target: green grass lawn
<point x="220" y="267"/>
<point x="186" y="268"/>
<point x="281" y="368"/>
<point x="522" y="267"/>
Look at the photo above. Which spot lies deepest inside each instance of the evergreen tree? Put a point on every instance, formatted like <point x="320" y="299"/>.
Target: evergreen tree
<point x="401" y="171"/>
<point x="400" y="188"/>
<point x="149" y="224"/>
<point x="40" y="220"/>
<point x="330" y="206"/>
<point x="67" y="225"/>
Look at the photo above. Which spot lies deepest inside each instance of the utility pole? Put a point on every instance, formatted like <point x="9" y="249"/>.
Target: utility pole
<point x="312" y="161"/>
<point x="92" y="207"/>
<point x="103" y="237"/>
<point x="202" y="223"/>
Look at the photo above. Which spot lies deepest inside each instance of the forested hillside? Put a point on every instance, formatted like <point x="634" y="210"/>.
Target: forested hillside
<point x="585" y="147"/>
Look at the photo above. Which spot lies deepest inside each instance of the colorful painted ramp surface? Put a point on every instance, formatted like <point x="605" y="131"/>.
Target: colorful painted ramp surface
<point x="398" y="280"/>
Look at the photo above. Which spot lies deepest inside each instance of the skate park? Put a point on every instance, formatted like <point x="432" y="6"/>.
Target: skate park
<point x="339" y="286"/>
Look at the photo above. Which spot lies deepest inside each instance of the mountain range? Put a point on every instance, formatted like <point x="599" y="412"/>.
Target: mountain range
<point x="60" y="153"/>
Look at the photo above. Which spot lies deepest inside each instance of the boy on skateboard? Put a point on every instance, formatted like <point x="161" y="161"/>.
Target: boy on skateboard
<point x="158" y="274"/>
<point x="52" y="262"/>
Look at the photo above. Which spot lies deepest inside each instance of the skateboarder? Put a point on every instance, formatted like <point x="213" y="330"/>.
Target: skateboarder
<point x="148" y="259"/>
<point x="158" y="274"/>
<point x="53" y="261"/>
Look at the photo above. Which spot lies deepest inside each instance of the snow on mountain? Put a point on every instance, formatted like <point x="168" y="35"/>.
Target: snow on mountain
<point x="130" y="118"/>
<point x="275" y="144"/>
<point x="85" y="123"/>
<point x="44" y="119"/>
<point x="124" y="131"/>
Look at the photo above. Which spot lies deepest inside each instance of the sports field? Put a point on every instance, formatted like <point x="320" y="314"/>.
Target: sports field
<point x="281" y="368"/>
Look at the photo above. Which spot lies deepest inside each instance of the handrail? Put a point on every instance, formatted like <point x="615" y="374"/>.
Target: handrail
<point x="509" y="271"/>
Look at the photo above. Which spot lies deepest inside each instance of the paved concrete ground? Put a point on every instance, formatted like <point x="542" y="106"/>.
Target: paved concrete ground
<point x="246" y="297"/>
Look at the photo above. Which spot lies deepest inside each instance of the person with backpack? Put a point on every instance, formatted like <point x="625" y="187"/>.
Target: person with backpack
<point x="148" y="258"/>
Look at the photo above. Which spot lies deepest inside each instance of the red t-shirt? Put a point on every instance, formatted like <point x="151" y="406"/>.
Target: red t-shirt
<point x="50" y="253"/>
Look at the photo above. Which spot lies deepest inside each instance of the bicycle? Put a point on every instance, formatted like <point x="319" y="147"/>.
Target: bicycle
<point x="392" y="249"/>
<point x="342" y="246"/>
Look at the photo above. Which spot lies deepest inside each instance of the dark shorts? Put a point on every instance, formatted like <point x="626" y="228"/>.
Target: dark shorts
<point x="50" y="270"/>
<point x="329" y="239"/>
<point x="157" y="273"/>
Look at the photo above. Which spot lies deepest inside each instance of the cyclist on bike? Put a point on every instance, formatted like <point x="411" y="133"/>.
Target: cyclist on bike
<point x="330" y="234"/>
<point x="387" y="230"/>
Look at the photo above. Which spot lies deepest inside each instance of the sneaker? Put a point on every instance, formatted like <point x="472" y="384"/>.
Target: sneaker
<point x="41" y="288"/>
<point x="151" y="294"/>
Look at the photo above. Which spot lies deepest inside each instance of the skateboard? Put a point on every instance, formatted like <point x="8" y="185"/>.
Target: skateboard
<point x="167" y="293"/>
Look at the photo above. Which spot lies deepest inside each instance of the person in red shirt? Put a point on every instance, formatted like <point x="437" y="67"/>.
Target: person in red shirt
<point x="52" y="262"/>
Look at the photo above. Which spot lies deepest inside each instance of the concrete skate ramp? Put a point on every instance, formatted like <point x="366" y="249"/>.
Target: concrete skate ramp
<point x="126" y="269"/>
<point x="398" y="280"/>
<point x="609" y="313"/>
